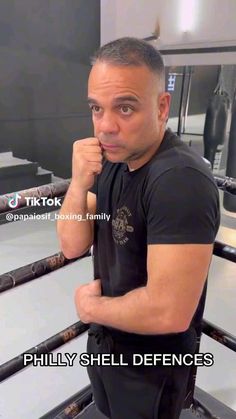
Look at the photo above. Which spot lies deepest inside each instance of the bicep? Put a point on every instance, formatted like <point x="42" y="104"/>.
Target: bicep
<point x="182" y="221"/>
<point x="176" y="277"/>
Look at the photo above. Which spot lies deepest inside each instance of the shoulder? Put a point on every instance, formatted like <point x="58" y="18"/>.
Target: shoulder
<point x="181" y="185"/>
<point x="176" y="160"/>
<point x="182" y="206"/>
<point x="178" y="177"/>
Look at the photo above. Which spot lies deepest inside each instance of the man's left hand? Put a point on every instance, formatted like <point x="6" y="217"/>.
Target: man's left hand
<point x="87" y="296"/>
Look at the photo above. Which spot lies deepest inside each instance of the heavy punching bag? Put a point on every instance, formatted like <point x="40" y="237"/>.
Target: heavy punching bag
<point x="215" y="124"/>
<point x="229" y="201"/>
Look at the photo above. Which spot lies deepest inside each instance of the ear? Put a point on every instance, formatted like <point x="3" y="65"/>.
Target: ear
<point x="164" y="106"/>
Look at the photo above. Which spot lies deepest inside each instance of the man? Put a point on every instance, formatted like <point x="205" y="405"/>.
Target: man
<point x="152" y="257"/>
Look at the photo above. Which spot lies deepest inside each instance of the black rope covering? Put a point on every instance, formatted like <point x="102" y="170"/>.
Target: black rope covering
<point x="71" y="407"/>
<point x="44" y="266"/>
<point x="224" y="251"/>
<point x="59" y="189"/>
<point x="220" y="335"/>
<point x="16" y="364"/>
<point x="34" y="270"/>
<point x="51" y="190"/>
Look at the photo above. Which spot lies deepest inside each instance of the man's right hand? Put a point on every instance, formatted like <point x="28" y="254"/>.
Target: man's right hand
<point x="86" y="162"/>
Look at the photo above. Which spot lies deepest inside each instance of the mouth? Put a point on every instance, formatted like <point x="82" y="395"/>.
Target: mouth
<point x="109" y="146"/>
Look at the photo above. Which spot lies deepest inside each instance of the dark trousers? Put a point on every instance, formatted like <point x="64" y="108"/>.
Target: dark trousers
<point x="135" y="392"/>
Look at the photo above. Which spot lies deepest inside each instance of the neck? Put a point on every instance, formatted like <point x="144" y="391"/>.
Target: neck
<point x="139" y="162"/>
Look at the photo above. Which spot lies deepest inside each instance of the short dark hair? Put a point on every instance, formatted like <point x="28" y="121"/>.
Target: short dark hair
<point x="129" y="51"/>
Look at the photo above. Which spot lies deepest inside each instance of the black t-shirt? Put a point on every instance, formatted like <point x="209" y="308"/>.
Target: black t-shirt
<point x="171" y="199"/>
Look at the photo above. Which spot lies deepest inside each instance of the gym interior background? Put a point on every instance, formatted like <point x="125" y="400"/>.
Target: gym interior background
<point x="45" y="49"/>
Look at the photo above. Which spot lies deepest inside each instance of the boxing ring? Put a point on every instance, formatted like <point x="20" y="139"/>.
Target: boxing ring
<point x="28" y="308"/>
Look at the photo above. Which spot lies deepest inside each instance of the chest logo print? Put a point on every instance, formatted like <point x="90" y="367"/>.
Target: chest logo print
<point x="120" y="225"/>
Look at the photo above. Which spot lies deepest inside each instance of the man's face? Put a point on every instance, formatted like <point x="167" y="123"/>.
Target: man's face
<point x="128" y="112"/>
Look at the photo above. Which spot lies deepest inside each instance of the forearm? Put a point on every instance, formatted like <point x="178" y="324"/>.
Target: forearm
<point x="135" y="312"/>
<point x="75" y="235"/>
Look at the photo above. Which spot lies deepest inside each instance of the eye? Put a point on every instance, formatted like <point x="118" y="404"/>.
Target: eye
<point x="126" y="110"/>
<point x="95" y="108"/>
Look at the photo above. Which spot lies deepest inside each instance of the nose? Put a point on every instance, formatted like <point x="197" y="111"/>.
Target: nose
<point x="107" y="124"/>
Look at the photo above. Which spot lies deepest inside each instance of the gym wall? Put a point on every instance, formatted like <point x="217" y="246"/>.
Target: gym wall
<point x="45" y="48"/>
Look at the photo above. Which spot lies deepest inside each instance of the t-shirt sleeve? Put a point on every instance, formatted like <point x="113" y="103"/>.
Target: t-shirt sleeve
<point x="182" y="206"/>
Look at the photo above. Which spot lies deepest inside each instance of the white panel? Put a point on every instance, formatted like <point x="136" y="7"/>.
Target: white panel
<point x="135" y="18"/>
<point x="183" y="22"/>
<point x="108" y="20"/>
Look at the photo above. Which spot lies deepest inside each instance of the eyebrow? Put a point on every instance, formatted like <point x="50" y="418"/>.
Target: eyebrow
<point x="117" y="100"/>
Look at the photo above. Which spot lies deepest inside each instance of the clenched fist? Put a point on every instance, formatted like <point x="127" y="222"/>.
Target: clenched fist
<point x="86" y="162"/>
<point x="86" y="298"/>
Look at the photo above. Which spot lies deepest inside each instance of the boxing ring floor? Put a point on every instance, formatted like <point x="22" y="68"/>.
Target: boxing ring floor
<point x="32" y="312"/>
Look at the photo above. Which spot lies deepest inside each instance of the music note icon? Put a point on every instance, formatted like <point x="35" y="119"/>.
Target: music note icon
<point x="14" y="201"/>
